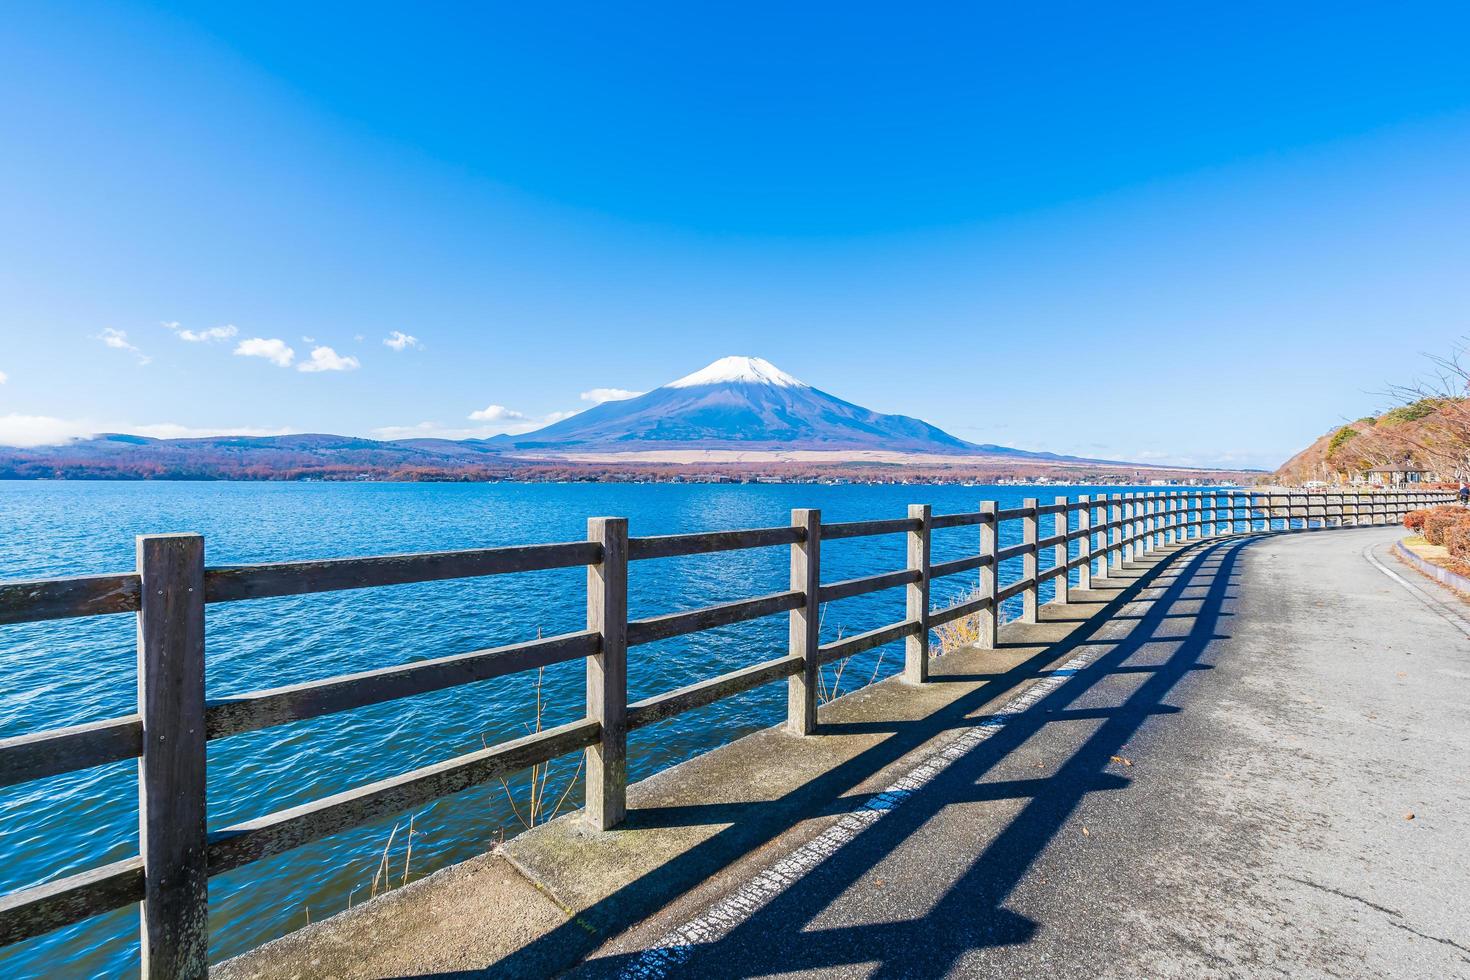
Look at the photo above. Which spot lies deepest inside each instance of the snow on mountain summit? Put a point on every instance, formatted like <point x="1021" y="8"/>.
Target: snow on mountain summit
<point x="739" y="370"/>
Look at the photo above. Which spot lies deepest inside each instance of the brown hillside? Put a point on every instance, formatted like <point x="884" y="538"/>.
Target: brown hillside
<point x="1431" y="434"/>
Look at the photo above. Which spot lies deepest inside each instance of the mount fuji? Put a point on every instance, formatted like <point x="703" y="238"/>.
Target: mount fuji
<point x="738" y="410"/>
<point x="745" y="403"/>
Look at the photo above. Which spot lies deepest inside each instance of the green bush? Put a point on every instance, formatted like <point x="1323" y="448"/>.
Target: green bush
<point x="1340" y="439"/>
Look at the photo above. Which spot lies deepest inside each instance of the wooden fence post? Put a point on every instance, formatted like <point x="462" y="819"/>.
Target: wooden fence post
<point x="1150" y="522"/>
<point x="1028" y="560"/>
<point x="1127" y="528"/>
<point x="989" y="535"/>
<point x="803" y="637"/>
<point x="1115" y="516"/>
<point x="607" y="674"/>
<point x="171" y="770"/>
<point x="1084" y="543"/>
<point x="1059" y="556"/>
<point x="916" y="598"/>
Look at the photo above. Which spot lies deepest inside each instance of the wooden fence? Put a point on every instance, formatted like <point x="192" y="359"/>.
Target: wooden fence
<point x="175" y="720"/>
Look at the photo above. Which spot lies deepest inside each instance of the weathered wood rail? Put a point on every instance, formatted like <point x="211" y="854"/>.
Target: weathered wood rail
<point x="175" y="720"/>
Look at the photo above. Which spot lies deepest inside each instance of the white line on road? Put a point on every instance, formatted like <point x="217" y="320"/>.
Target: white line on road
<point x="675" y="948"/>
<point x="1458" y="621"/>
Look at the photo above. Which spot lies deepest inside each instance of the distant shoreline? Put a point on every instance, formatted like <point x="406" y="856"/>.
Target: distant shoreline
<point x="860" y="472"/>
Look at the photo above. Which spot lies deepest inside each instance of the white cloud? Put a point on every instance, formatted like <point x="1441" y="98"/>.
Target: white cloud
<point x="273" y="350"/>
<point x="39" y="430"/>
<point x="497" y="413"/>
<point x="398" y="340"/>
<point x="4" y="377"/>
<point x="43" y="430"/>
<point x="308" y="340"/>
<point x="118" y="340"/>
<point x="599" y="395"/>
<point x="326" y="359"/>
<point x="224" y="332"/>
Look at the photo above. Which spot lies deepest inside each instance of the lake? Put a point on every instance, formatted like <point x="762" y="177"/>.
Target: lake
<point x="74" y="671"/>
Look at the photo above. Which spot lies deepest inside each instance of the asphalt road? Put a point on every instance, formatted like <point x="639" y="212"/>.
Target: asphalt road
<point x="1261" y="769"/>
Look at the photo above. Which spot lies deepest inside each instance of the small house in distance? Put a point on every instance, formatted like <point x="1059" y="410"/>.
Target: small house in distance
<point x="1399" y="476"/>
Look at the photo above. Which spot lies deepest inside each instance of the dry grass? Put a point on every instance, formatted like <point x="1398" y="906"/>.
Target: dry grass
<point x="831" y="690"/>
<point x="959" y="633"/>
<point x="538" y="807"/>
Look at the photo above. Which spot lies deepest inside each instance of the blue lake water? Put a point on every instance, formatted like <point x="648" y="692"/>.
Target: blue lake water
<point x="74" y="671"/>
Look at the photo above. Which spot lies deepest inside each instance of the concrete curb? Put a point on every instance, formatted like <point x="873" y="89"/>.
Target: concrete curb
<point x="1441" y="575"/>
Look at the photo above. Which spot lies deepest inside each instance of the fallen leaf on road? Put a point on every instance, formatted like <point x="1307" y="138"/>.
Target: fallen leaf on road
<point x="1122" y="761"/>
<point x="1085" y="832"/>
<point x="1409" y="816"/>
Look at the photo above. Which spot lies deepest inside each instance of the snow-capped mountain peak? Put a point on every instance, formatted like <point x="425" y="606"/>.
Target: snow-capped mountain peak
<point x="739" y="370"/>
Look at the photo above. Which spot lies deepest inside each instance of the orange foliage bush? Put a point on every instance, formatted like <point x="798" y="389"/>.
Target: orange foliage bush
<point x="1457" y="540"/>
<point x="1414" y="519"/>
<point x="1441" y="519"/>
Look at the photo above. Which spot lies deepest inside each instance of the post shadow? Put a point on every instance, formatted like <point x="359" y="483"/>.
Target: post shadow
<point x="972" y="913"/>
<point x="982" y="920"/>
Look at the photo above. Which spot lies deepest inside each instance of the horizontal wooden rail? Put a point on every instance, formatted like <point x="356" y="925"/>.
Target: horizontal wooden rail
<point x="1052" y="541"/>
<point x="707" y="542"/>
<point x="848" y="588"/>
<point x="697" y="695"/>
<point x="862" y="529"/>
<point x="960" y="610"/>
<point x="66" y="901"/>
<point x="1014" y="551"/>
<point x="65" y="598"/>
<point x="1014" y="589"/>
<point x="253" y="840"/>
<point x="229" y="584"/>
<point x="958" y="565"/>
<point x="678" y="623"/>
<point x="939" y="521"/>
<point x="867" y="641"/>
<point x="58" y="750"/>
<point x="262" y="709"/>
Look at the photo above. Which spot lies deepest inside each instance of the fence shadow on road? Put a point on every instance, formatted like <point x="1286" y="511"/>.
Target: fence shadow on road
<point x="971" y="914"/>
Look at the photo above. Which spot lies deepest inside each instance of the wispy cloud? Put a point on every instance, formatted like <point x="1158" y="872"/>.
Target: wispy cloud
<point x="118" y="340"/>
<point x="4" y="377"/>
<point x="43" y="430"/>
<point x="400" y="341"/>
<point x="224" y="332"/>
<point x="494" y="420"/>
<point x="599" y="395"/>
<point x="326" y="359"/>
<point x="274" y="350"/>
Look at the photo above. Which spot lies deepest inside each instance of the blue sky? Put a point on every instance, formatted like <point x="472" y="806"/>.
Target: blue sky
<point x="1140" y="231"/>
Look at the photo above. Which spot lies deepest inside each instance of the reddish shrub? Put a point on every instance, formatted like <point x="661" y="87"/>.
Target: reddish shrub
<point x="1440" y="520"/>
<point x="1457" y="539"/>
<point x="1414" y="519"/>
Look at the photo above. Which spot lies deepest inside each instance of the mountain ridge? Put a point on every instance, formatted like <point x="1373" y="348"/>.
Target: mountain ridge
<point x="741" y="405"/>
